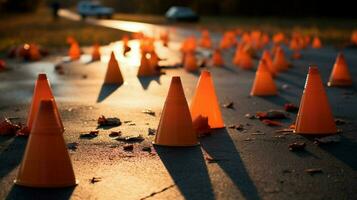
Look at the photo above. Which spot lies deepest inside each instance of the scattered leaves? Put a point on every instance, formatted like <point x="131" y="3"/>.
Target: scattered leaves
<point x="269" y="122"/>
<point x="132" y="138"/>
<point x="115" y="134"/>
<point x="239" y="127"/>
<point x="8" y="128"/>
<point x="272" y="114"/>
<point x="128" y="147"/>
<point x="147" y="148"/>
<point x="95" y="180"/>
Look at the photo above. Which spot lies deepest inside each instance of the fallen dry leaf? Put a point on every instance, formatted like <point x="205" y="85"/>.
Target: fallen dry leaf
<point x="8" y="128"/>
<point x="103" y="121"/>
<point x="151" y="131"/>
<point x="239" y="127"/>
<point x="95" y="180"/>
<point x="313" y="171"/>
<point x="115" y="134"/>
<point x="72" y="146"/>
<point x="269" y="122"/>
<point x="148" y="149"/>
<point x="229" y="105"/>
<point x="290" y="107"/>
<point x="132" y="138"/>
<point x="297" y="146"/>
<point x="128" y="147"/>
<point x="90" y="135"/>
<point x="272" y="114"/>
<point x="149" y="112"/>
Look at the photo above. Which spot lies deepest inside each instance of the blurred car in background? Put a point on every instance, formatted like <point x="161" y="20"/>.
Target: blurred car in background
<point x="180" y="13"/>
<point x="94" y="8"/>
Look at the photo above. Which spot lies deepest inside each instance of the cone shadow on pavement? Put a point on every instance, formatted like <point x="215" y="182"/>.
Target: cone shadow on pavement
<point x="20" y="192"/>
<point x="11" y="158"/>
<point x="188" y="170"/>
<point x="221" y="145"/>
<point x="145" y="81"/>
<point x="106" y="90"/>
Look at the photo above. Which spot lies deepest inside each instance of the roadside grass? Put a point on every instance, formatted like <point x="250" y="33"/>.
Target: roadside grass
<point x="39" y="27"/>
<point x="330" y="30"/>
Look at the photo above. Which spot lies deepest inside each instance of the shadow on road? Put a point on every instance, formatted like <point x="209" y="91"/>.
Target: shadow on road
<point x="277" y="100"/>
<point x="106" y="90"/>
<point x="220" y="146"/>
<point x="188" y="169"/>
<point x="20" y="192"/>
<point x="11" y="156"/>
<point x="145" y="81"/>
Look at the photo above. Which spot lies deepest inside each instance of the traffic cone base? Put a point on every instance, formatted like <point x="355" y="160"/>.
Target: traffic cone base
<point x="315" y="115"/>
<point x="175" y="126"/>
<point x="113" y="75"/>
<point x="46" y="162"/>
<point x="205" y="102"/>
<point x="340" y="75"/>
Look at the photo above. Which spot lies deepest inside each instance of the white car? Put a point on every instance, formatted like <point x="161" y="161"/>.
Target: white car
<point x="93" y="8"/>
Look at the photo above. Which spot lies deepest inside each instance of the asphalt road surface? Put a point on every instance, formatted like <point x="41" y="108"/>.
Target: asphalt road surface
<point x="251" y="164"/>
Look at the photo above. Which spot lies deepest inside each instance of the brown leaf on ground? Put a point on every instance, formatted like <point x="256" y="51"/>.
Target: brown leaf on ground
<point x="272" y="114"/>
<point x="269" y="122"/>
<point x="103" y="121"/>
<point x="297" y="146"/>
<point x="59" y="69"/>
<point x="290" y="107"/>
<point x="239" y="127"/>
<point x="23" y="131"/>
<point x="151" y="131"/>
<point x="148" y="149"/>
<point x="149" y="112"/>
<point x="90" y="135"/>
<point x="2" y="65"/>
<point x="72" y="146"/>
<point x="131" y="138"/>
<point x="115" y="134"/>
<point x="8" y="128"/>
<point x="95" y="180"/>
<point x="340" y="122"/>
<point x="229" y="105"/>
<point x="313" y="171"/>
<point x="249" y="116"/>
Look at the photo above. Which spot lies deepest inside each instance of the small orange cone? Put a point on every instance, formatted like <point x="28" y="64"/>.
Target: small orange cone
<point x="113" y="75"/>
<point x="340" y="75"/>
<point x="205" y="40"/>
<point x="246" y="61"/>
<point x="205" y="102"/>
<point x="46" y="162"/>
<point x="263" y="83"/>
<point x="269" y="62"/>
<point x="41" y="92"/>
<point x="34" y="52"/>
<point x="315" y="115"/>
<point x="96" y="52"/>
<point x="190" y="62"/>
<point x="316" y="43"/>
<point x="217" y="58"/>
<point x="74" y="51"/>
<point x="145" y="68"/>
<point x="280" y="63"/>
<point x="175" y="126"/>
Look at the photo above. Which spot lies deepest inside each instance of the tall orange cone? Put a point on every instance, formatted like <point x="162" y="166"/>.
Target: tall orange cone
<point x="280" y="63"/>
<point x="113" y="75"/>
<point x="175" y="126"/>
<point x="96" y="52"/>
<point x="205" y="102"/>
<point x="315" y="115"/>
<point x="74" y="51"/>
<point x="217" y="58"/>
<point x="146" y="68"/>
<point x="263" y="83"/>
<point x="190" y="62"/>
<point x="46" y="162"/>
<point x="41" y="92"/>
<point x="340" y="75"/>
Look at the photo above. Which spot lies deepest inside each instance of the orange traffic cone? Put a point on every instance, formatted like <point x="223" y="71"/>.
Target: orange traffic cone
<point x="280" y="63"/>
<point x="175" y="126"/>
<point x="263" y="83"/>
<point x="269" y="62"/>
<point x="316" y="43"/>
<point x="96" y="52"/>
<point x="74" y="51"/>
<point x="190" y="62"/>
<point x="113" y="75"/>
<point x="41" y="92"/>
<point x="145" y="68"/>
<point x="315" y="115"/>
<point x="205" y="102"/>
<point x="154" y="60"/>
<point x="205" y="41"/>
<point x="217" y="58"/>
<point x="246" y="61"/>
<point x="34" y="52"/>
<point x="46" y="162"/>
<point x="340" y="75"/>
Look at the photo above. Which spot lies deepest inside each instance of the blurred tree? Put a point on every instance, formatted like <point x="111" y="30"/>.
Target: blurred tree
<point x="21" y="5"/>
